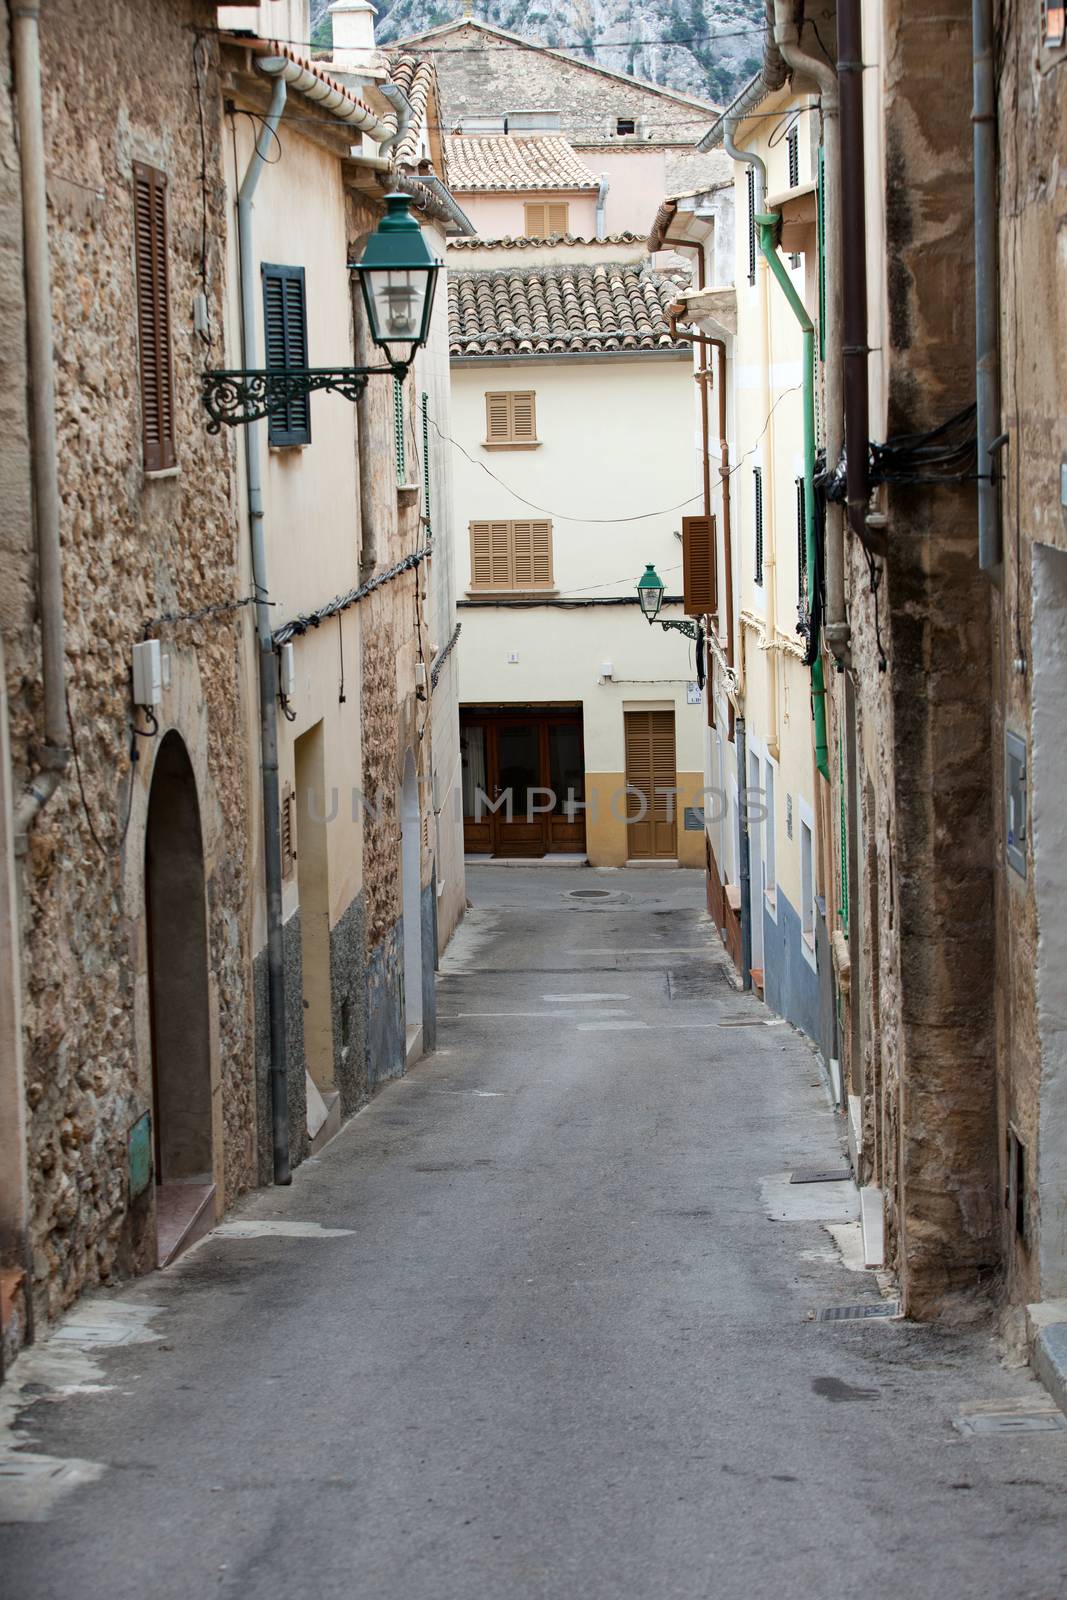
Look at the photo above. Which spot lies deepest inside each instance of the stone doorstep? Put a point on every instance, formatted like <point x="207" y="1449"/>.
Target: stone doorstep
<point x="184" y="1213"/>
<point x="1046" y="1337"/>
<point x="641" y="861"/>
<point x="414" y="1046"/>
<point x="330" y="1125"/>
<point x="531" y="861"/>
<point x="872" y="1216"/>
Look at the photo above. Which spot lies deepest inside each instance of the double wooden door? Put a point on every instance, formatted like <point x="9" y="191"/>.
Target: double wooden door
<point x="523" y="782"/>
<point x="651" y="804"/>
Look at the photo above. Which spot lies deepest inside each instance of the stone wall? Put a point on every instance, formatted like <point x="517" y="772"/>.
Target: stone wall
<point x="133" y="548"/>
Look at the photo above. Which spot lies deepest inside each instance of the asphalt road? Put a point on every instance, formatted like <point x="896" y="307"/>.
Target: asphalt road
<point x="539" y="1325"/>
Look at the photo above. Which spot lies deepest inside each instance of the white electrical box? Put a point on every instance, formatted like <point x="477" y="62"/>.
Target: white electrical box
<point x="420" y="674"/>
<point x="606" y="669"/>
<point x="286" y="671"/>
<point x="148" y="673"/>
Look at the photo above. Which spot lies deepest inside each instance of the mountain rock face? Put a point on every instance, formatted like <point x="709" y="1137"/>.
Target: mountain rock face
<point x="707" y="48"/>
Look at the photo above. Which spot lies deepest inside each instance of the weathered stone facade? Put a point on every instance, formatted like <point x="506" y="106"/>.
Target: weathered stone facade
<point x="135" y="547"/>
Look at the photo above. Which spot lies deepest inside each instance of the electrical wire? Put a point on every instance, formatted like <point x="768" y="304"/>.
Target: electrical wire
<point x="707" y="36"/>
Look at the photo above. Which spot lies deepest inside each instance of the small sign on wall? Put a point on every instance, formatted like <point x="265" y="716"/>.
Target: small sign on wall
<point x="693" y="694"/>
<point x="694" y="819"/>
<point x="139" y="1148"/>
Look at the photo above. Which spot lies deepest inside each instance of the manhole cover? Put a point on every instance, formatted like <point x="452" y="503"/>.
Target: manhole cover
<point x="860" y="1313"/>
<point x="1012" y="1422"/>
<point x="589" y="894"/>
<point x="820" y="1175"/>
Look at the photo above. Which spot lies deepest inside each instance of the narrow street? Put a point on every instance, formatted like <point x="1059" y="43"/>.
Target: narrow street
<point x="534" y="1326"/>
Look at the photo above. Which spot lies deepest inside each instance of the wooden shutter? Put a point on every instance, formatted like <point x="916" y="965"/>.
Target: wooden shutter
<point x="650" y="765"/>
<point x="153" y="317"/>
<point x="285" y="340"/>
<point x="699" y="565"/>
<point x="535" y="219"/>
<point x="544" y="218"/>
<point x="558" y="217"/>
<point x="510" y="418"/>
<point x="398" y="431"/>
<point x="511" y="555"/>
<point x="751" y="181"/>
<point x="491" y="555"/>
<point x="532" y="555"/>
<point x="757" y="483"/>
<point x="802" y="545"/>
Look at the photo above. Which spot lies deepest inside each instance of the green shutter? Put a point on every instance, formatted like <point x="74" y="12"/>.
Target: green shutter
<point x="398" y="429"/>
<point x="844" y="837"/>
<point x="285" y="338"/>
<point x="820" y="204"/>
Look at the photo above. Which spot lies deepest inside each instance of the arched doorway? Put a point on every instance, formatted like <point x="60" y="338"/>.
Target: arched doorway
<point x="179" y="1004"/>
<point x="411" y="869"/>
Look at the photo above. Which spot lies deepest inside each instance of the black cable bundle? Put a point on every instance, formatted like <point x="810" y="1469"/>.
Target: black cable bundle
<point x="810" y="627"/>
<point x="946" y="454"/>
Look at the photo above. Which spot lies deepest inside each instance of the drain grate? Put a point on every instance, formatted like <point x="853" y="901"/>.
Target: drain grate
<point x="589" y="894"/>
<point x="1012" y="1422"/>
<point x="866" y="1312"/>
<point x="820" y="1175"/>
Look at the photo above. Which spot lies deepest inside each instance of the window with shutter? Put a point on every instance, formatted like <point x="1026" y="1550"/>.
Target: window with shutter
<point x="398" y="431"/>
<point x="802" y="546"/>
<point x="546" y="218"/>
<point x="751" y="180"/>
<point x="793" y="150"/>
<point x="757" y="484"/>
<point x="699" y="570"/>
<point x="511" y="555"/>
<point x="510" y="420"/>
<point x="153" y="317"/>
<point x="285" y="339"/>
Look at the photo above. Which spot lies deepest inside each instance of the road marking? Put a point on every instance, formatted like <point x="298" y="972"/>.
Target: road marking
<point x="645" y="950"/>
<point x="609" y="1027"/>
<point x="284" y="1230"/>
<point x="564" y="1014"/>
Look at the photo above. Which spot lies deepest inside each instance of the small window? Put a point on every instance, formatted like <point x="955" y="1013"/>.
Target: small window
<point x="510" y="420"/>
<point x="807" y="885"/>
<point x="547" y="218"/>
<point x="1016" y="821"/>
<point x="511" y="555"/>
<point x="792" y="144"/>
<point x="1053" y="23"/>
<point x="153" y="317"/>
<point x="285" y="337"/>
<point x="802" y="550"/>
<point x="625" y="125"/>
<point x="757" y="489"/>
<point x="751" y="181"/>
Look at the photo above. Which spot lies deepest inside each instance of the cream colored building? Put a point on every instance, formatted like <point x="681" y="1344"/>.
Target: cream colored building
<point x="573" y="420"/>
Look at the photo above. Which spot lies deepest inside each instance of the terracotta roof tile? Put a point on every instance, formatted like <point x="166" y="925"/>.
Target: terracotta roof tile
<point x="523" y="241"/>
<point x="507" y="161"/>
<point x="415" y="80"/>
<point x="571" y="309"/>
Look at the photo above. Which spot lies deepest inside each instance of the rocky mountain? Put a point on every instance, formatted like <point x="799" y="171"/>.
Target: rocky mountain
<point x="706" y="48"/>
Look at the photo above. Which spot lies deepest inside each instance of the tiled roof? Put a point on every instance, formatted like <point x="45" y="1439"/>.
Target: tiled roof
<point x="572" y="309"/>
<point x="415" y="80"/>
<point x="507" y="161"/>
<point x="523" y="241"/>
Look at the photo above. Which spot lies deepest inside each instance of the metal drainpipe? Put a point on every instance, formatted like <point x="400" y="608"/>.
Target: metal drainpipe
<point x="853" y="233"/>
<point x="787" y="38"/>
<point x="727" y="526"/>
<point x="268" y="663"/>
<point x="744" y="860"/>
<point x="601" y="202"/>
<point x="404" y="113"/>
<point x="986" y="323"/>
<point x="54" y="755"/>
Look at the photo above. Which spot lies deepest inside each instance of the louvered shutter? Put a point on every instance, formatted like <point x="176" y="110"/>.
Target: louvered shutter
<point x="650" y="765"/>
<point x="286" y="344"/>
<point x="497" y="417"/>
<point x="802" y="545"/>
<point x="523" y="422"/>
<point x="558" y="212"/>
<point x="536" y="219"/>
<point x="400" y="447"/>
<point x="153" y="317"/>
<point x="541" y="554"/>
<point x="699" y="565"/>
<point x="757" y="482"/>
<point x="511" y="555"/>
<point x="751" y="182"/>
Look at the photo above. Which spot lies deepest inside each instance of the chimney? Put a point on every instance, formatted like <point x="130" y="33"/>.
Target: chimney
<point x="353" y="32"/>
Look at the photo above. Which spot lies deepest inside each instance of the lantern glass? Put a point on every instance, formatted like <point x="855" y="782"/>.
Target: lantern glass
<point x="650" y="589"/>
<point x="398" y="276"/>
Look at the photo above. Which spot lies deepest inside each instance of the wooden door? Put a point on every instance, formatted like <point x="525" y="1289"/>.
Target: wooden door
<point x="652" y="825"/>
<point x="564" y="763"/>
<point x="515" y="767"/>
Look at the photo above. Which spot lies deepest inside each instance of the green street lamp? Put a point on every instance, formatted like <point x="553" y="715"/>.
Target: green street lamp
<point x="650" y="591"/>
<point x="397" y="275"/>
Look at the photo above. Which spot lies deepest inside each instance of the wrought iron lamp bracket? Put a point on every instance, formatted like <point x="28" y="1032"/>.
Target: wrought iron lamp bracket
<point x="238" y="395"/>
<point x="692" y="630"/>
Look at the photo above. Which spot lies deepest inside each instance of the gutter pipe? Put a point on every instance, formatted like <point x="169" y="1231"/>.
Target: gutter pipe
<point x="601" y="202"/>
<point x="268" y="666"/>
<point x="744" y="853"/>
<point x="327" y="95"/>
<point x="854" y="274"/>
<point x="404" y="113"/>
<point x="787" y="38"/>
<point x="431" y="195"/>
<point x="767" y="226"/>
<point x="987" y="369"/>
<point x="54" y="755"/>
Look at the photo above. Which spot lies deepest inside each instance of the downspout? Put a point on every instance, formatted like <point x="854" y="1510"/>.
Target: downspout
<point x="724" y="484"/>
<point x="853" y="233"/>
<point x="987" y="371"/>
<point x="601" y="202"/>
<point x="744" y="859"/>
<point x="268" y="665"/>
<point x="787" y="38"/>
<point x="404" y="113"/>
<point x="53" y="756"/>
<point x="767" y="227"/>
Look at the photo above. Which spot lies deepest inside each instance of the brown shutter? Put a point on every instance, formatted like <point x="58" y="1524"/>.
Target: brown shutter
<point x="699" y="565"/>
<point x="650" y="765"/>
<point x="558" y="213"/>
<point x="523" y="423"/>
<point x="497" y="416"/>
<point x="535" y="219"/>
<point x="153" y="317"/>
<point x="511" y="555"/>
<point x="532" y="546"/>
